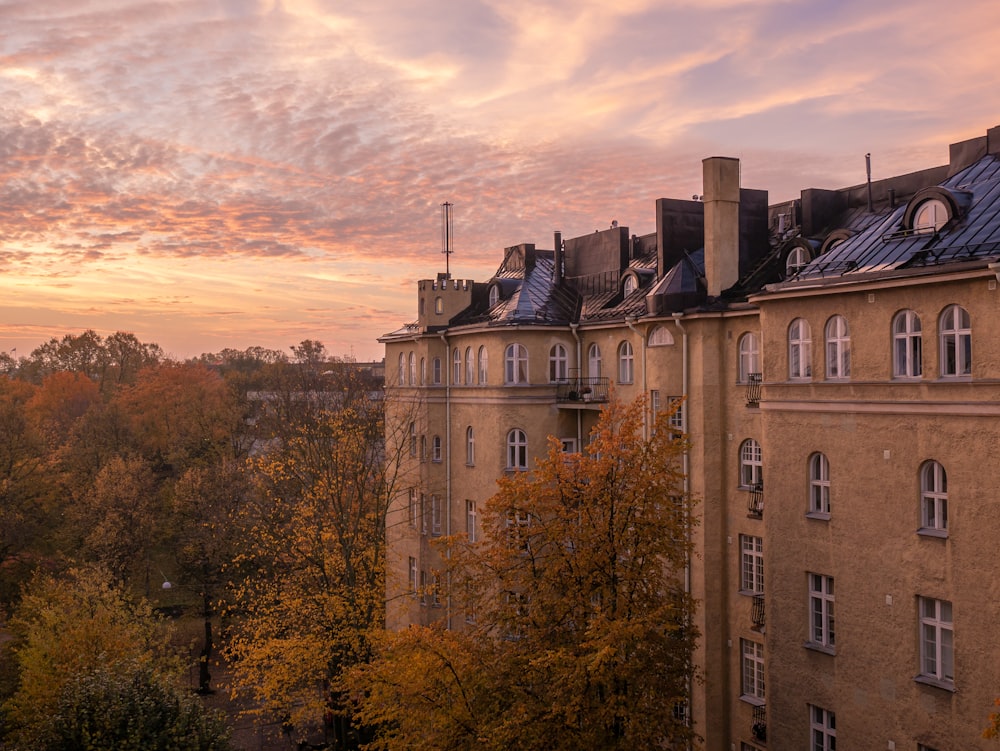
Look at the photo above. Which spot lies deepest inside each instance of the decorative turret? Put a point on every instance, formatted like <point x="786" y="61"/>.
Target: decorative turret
<point x="439" y="300"/>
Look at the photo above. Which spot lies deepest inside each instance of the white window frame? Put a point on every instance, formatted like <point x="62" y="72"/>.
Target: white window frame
<point x="937" y="641"/>
<point x="799" y="350"/>
<point x="558" y="364"/>
<point x="412" y="576"/>
<point x="822" y="729"/>
<point x="626" y="362"/>
<point x="796" y="260"/>
<point x="402" y="368"/>
<point x="751" y="565"/>
<point x="660" y="336"/>
<point x="956" y="342"/>
<point x="423" y="371"/>
<point x="630" y="285"/>
<point x="594" y="361"/>
<point x="930" y="216"/>
<point x="517" y="450"/>
<point x="413" y="439"/>
<point x="470" y="447"/>
<point x="470" y="367"/>
<point x="819" y="486"/>
<point x="494" y="295"/>
<point x="436" y="449"/>
<point x="822" y="615"/>
<point x="470" y="520"/>
<point x="749" y="356"/>
<point x="436" y="368"/>
<point x="752" y="670"/>
<point x="907" y="345"/>
<point x="436" y="514"/>
<point x="484" y="360"/>
<point x="412" y="369"/>
<point x="456" y="367"/>
<point x="933" y="499"/>
<point x="751" y="464"/>
<point x="411" y="507"/>
<point x="515" y="360"/>
<point x="838" y="348"/>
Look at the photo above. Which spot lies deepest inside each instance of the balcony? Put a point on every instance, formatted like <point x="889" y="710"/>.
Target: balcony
<point x="755" y="505"/>
<point x="753" y="389"/>
<point x="758" y="728"/>
<point x="757" y="613"/>
<point x="579" y="390"/>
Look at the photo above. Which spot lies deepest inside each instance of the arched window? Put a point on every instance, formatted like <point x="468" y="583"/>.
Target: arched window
<point x="438" y="305"/>
<point x="838" y="348"/>
<point x="797" y="259"/>
<point x="751" y="463"/>
<point x="470" y="367"/>
<point x="558" y="364"/>
<point x="402" y="369"/>
<point x="517" y="449"/>
<point x="819" y="485"/>
<point x="931" y="216"/>
<point x="413" y="369"/>
<point x="456" y="370"/>
<point x="906" y="345"/>
<point x="626" y="363"/>
<point x="515" y="364"/>
<point x="749" y="354"/>
<point x="484" y="361"/>
<point x="423" y="371"/>
<point x="594" y="361"/>
<point x="933" y="499"/>
<point x="660" y="337"/>
<point x="413" y="439"/>
<point x="423" y="448"/>
<point x="436" y="448"/>
<point x="799" y="349"/>
<point x="494" y="295"/>
<point x="956" y="341"/>
<point x="437" y="370"/>
<point x="470" y="446"/>
<point x="630" y="285"/>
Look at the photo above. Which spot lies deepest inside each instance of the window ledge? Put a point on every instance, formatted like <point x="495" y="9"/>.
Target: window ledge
<point x="817" y="647"/>
<point x="749" y="593"/>
<point x="820" y="515"/>
<point x="930" y="680"/>
<point x="964" y="378"/>
<point x="941" y="534"/>
<point x="754" y="701"/>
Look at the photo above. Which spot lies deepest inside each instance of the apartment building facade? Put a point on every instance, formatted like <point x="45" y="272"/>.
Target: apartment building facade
<point x="835" y="403"/>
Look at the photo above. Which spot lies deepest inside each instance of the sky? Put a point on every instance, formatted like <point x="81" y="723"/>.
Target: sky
<point x="232" y="173"/>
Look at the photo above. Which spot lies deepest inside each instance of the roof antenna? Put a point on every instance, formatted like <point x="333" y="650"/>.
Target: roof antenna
<point x="447" y="233"/>
<point x="868" y="169"/>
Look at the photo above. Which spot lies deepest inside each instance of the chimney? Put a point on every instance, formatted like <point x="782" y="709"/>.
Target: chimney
<point x="557" y="276"/>
<point x="721" y="183"/>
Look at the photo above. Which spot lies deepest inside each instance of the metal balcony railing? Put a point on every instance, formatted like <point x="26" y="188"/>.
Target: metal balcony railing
<point x="757" y="612"/>
<point x="753" y="389"/>
<point x="583" y="389"/>
<point x="758" y="728"/>
<point x="755" y="505"/>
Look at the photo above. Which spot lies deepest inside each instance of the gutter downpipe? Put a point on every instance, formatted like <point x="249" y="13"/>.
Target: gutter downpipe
<point x="642" y="338"/>
<point x="685" y="465"/>
<point x="447" y="466"/>
<point x="579" y="369"/>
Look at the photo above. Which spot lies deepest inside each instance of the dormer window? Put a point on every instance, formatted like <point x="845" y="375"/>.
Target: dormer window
<point x="931" y="216"/>
<point x="494" y="295"/>
<point x="797" y="260"/>
<point x="932" y="208"/>
<point x="630" y="285"/>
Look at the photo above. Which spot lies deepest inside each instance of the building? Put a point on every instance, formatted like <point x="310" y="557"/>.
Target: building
<point x="815" y="466"/>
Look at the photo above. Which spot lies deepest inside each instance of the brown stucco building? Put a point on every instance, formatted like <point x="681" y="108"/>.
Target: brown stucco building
<point x="842" y="378"/>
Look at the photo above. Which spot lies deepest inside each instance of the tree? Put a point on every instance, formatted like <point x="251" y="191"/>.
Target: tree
<point x="581" y="633"/>
<point x="314" y="561"/>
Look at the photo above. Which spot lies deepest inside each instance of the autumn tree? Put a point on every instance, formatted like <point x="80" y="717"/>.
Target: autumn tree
<point x="314" y="562"/>
<point x="579" y="626"/>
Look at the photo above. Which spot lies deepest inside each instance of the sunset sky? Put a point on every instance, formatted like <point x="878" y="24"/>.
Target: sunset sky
<point x="227" y="173"/>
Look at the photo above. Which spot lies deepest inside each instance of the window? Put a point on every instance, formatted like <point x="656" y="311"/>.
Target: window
<point x="937" y="640"/>
<point x="470" y="369"/>
<point x="906" y="345"/>
<point x="749" y="354"/>
<point x="423" y="448"/>
<point x="558" y="364"/>
<point x="423" y="587"/>
<point x="423" y="371"/>
<point x="436" y="449"/>
<point x="660" y="337"/>
<point x="796" y="260"/>
<point x="750" y="463"/>
<point x="630" y="285"/>
<point x="456" y="369"/>
<point x="838" y="348"/>
<point x="799" y="349"/>
<point x="821" y="615"/>
<point x="437" y="371"/>
<point x="413" y="369"/>
<point x="494" y="295"/>
<point x="402" y="369"/>
<point x="594" y="361"/>
<point x="423" y="515"/>
<point x="822" y="729"/>
<point x="411" y="507"/>
<point x="515" y="364"/>
<point x="517" y="449"/>
<point x="752" y="669"/>
<point x="956" y="342"/>
<point x="654" y="402"/>
<point x="752" y="564"/>
<point x="412" y="576"/>
<point x="933" y="499"/>
<point x="819" y="485"/>
<point x="626" y="363"/>
<point x="931" y="216"/>
<point x="677" y="406"/>
<point x="413" y="439"/>
<point x="436" y="515"/>
<point x="483" y="365"/>
<point x="568" y="445"/>
<point x="438" y="305"/>
<point x="470" y="446"/>
<point x="518" y="530"/>
<point x="470" y="520"/>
